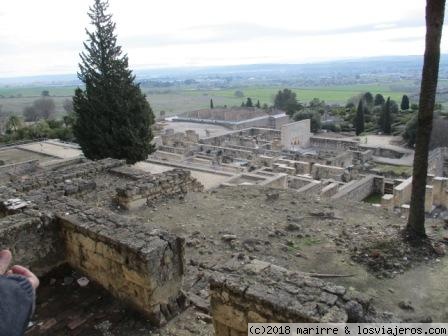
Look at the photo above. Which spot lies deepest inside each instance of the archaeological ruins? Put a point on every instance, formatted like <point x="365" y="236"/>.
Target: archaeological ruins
<point x="59" y="208"/>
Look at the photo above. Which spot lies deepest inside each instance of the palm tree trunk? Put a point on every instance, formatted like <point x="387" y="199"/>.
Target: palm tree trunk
<point x="435" y="10"/>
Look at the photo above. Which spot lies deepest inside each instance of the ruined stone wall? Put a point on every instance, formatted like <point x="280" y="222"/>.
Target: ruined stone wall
<point x="330" y="190"/>
<point x="234" y="153"/>
<point x="259" y="133"/>
<point x="20" y="168"/>
<point x="311" y="189"/>
<point x="33" y="238"/>
<point x="343" y="160"/>
<point x="362" y="156"/>
<point x="296" y="134"/>
<point x="437" y="161"/>
<point x="360" y="189"/>
<point x="333" y="144"/>
<point x="153" y="188"/>
<point x="295" y="182"/>
<point x="140" y="266"/>
<point x="320" y="172"/>
<point x="52" y="178"/>
<point x="262" y="292"/>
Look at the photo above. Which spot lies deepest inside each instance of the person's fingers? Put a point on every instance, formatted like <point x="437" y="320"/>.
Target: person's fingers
<point x="32" y="278"/>
<point x="5" y="260"/>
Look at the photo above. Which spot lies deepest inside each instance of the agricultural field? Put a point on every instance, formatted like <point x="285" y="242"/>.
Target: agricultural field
<point x="180" y="99"/>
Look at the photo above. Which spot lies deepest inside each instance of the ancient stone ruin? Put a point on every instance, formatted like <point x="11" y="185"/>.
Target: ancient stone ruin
<point x="44" y="225"/>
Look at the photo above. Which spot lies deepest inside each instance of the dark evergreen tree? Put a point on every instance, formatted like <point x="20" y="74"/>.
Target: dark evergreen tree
<point x="249" y="102"/>
<point x="286" y="100"/>
<point x="258" y="105"/>
<point x="368" y="100"/>
<point x="113" y="117"/>
<point x="387" y="117"/>
<point x="404" y="103"/>
<point x="379" y="99"/>
<point x="359" y="118"/>
<point x="211" y="104"/>
<point x="315" y="118"/>
<point x="243" y="104"/>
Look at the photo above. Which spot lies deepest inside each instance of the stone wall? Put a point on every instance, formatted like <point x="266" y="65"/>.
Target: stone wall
<point x="360" y="189"/>
<point x="20" y="168"/>
<point x="437" y="161"/>
<point x="296" y="134"/>
<point x="54" y="178"/>
<point x="320" y="172"/>
<point x="261" y="292"/>
<point x="312" y="188"/>
<point x="33" y="238"/>
<point x="153" y="188"/>
<point x="140" y="266"/>
<point x="333" y="143"/>
<point x="330" y="190"/>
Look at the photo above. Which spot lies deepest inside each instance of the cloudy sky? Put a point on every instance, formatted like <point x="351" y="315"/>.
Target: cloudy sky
<point x="45" y="36"/>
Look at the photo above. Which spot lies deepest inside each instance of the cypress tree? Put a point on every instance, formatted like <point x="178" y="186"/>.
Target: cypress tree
<point x="379" y="99"/>
<point x="258" y="105"/>
<point x="404" y="103"/>
<point x="113" y="117"/>
<point x="387" y="118"/>
<point x="249" y="102"/>
<point x="211" y="103"/>
<point x="359" y="119"/>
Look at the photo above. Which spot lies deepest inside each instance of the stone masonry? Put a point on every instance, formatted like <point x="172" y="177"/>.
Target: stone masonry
<point x="44" y="227"/>
<point x="261" y="292"/>
<point x="175" y="183"/>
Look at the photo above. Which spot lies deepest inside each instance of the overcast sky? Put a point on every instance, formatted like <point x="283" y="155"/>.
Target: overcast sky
<point x="45" y="36"/>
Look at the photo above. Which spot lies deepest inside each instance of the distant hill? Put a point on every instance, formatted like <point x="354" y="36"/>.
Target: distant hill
<point x="408" y="66"/>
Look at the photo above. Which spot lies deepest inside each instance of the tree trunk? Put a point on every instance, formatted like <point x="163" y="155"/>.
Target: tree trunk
<point x="435" y="10"/>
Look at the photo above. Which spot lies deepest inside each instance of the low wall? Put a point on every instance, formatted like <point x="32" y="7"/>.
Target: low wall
<point x="140" y="266"/>
<point x="360" y="189"/>
<point x="436" y="161"/>
<point x="19" y="168"/>
<point x="330" y="190"/>
<point x="33" y="239"/>
<point x="51" y="178"/>
<point x="296" y="182"/>
<point x="262" y="292"/>
<point x="320" y="172"/>
<point x="402" y="192"/>
<point x="333" y="143"/>
<point x="312" y="188"/>
<point x="152" y="188"/>
<point x="142" y="269"/>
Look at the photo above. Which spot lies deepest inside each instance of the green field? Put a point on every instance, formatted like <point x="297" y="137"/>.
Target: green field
<point x="174" y="101"/>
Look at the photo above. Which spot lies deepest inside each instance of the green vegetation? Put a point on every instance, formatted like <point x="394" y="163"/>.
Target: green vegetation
<point x="112" y="117"/>
<point x="359" y="119"/>
<point x="184" y="98"/>
<point x="374" y="198"/>
<point x="394" y="170"/>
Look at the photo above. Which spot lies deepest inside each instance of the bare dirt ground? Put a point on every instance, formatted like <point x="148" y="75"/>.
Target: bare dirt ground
<point x="308" y="235"/>
<point x="57" y="150"/>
